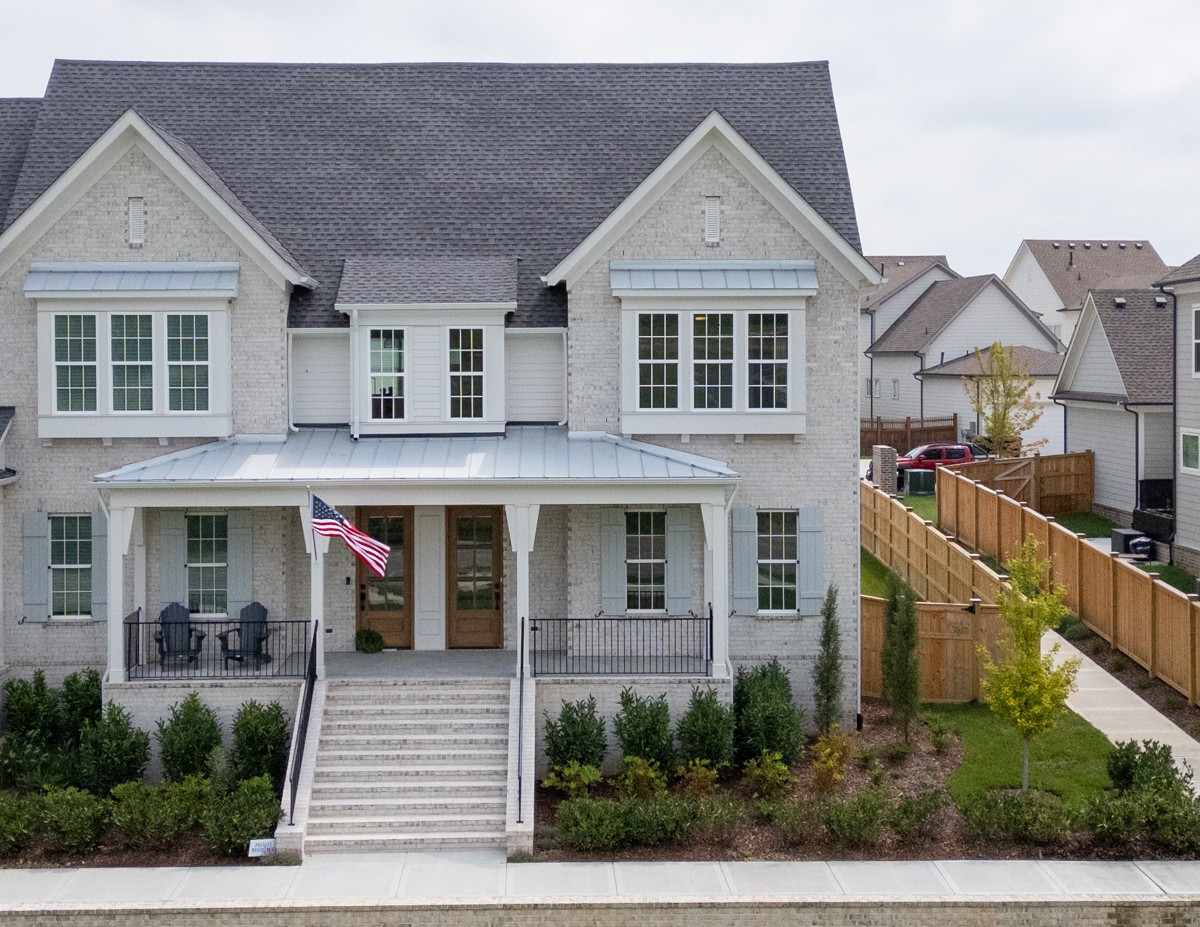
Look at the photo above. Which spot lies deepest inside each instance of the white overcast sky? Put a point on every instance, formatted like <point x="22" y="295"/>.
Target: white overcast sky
<point x="968" y="124"/>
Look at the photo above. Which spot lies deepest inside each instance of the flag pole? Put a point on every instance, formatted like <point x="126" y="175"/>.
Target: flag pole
<point x="311" y="530"/>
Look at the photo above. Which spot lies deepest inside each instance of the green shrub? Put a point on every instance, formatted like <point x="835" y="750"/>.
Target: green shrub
<point x="111" y="751"/>
<point x="832" y="753"/>
<point x="578" y="736"/>
<point x="640" y="778"/>
<point x="219" y="770"/>
<point x="1027" y="817"/>
<point x="856" y="821"/>
<point x="913" y="816"/>
<point x="31" y="711"/>
<point x="705" y="732"/>
<point x="187" y="737"/>
<point x="591" y="824"/>
<point x="1114" y="818"/>
<point x="148" y="816"/>
<point x="768" y="776"/>
<point x="1073" y="629"/>
<point x="191" y="798"/>
<point x="260" y="742"/>
<point x="643" y="729"/>
<point x="659" y="819"/>
<point x="80" y="704"/>
<point x="30" y="765"/>
<point x="718" y="818"/>
<point x="901" y="671"/>
<point x="697" y="778"/>
<point x="251" y="810"/>
<point x="765" y="718"/>
<point x="897" y="752"/>
<point x="1149" y="764"/>
<point x="797" y="821"/>
<point x="368" y="641"/>
<point x="72" y="820"/>
<point x="18" y="822"/>
<point x="1173" y="818"/>
<point x="573" y="779"/>
<point x="827" y="672"/>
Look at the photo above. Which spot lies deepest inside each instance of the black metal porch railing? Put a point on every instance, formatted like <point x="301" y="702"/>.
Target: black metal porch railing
<point x="197" y="650"/>
<point x="301" y="735"/>
<point x="649" y="645"/>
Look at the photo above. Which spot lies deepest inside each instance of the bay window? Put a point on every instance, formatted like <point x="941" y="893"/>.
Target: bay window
<point x="658" y="360"/>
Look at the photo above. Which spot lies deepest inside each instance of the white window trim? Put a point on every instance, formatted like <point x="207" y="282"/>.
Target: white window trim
<point x="82" y="616"/>
<point x="481" y="374"/>
<point x="188" y="565"/>
<point x="895" y="388"/>
<point x="758" y="562"/>
<point x="627" y="561"/>
<point x="1195" y="341"/>
<point x="1188" y="433"/>
<point x="216" y="421"/>
<point x="404" y="353"/>
<point x="741" y="419"/>
<point x="877" y="391"/>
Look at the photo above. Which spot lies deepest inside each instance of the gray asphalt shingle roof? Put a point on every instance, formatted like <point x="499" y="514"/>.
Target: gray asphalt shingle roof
<point x="428" y="280"/>
<point x="17" y="117"/>
<point x="442" y="160"/>
<point x="899" y="271"/>
<point x="1037" y="362"/>
<point x="1094" y="263"/>
<point x="1140" y="337"/>
<point x="1185" y="273"/>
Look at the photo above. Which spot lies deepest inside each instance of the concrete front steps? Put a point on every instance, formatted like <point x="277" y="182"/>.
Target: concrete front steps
<point x="411" y="764"/>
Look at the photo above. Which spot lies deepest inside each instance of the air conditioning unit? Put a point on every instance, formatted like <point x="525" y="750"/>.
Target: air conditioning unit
<point x="921" y="482"/>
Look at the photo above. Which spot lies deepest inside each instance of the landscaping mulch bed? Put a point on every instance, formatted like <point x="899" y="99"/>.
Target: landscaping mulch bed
<point x="188" y="850"/>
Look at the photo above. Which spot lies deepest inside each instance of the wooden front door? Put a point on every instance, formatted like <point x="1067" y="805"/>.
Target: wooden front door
<point x="385" y="603"/>
<point x="474" y="577"/>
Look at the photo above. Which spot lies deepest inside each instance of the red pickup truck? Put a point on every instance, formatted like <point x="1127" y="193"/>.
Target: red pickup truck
<point x="932" y="456"/>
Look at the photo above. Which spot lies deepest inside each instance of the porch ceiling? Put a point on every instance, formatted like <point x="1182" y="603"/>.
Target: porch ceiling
<point x="328" y="460"/>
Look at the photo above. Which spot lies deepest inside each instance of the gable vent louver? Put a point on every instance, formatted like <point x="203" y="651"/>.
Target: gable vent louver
<point x="712" y="220"/>
<point x="137" y="221"/>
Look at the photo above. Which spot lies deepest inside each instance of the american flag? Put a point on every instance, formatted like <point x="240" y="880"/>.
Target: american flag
<point x="330" y="522"/>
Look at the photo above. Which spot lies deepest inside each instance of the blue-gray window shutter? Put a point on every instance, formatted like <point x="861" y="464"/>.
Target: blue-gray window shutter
<point x="679" y="560"/>
<point x="810" y="559"/>
<point x="172" y="557"/>
<point x="613" y="598"/>
<point x="240" y="572"/>
<point x="35" y="566"/>
<point x="99" y="565"/>
<point x="745" y="560"/>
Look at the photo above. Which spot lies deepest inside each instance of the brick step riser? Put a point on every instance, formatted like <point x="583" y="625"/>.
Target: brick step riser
<point x="330" y="793"/>
<point x="430" y="807"/>
<point x="430" y="825"/>
<point x="403" y="844"/>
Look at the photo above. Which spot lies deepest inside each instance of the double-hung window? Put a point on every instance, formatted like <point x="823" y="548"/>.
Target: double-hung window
<point x="658" y="360"/>
<point x="70" y="565"/>
<point x="387" y="373"/>
<point x="768" y="358"/>
<point x="208" y="564"/>
<point x="1196" y="340"/>
<point x="132" y="348"/>
<point x="466" y="373"/>
<point x="777" y="539"/>
<point x="646" y="561"/>
<point x="75" y="363"/>
<point x="1189" y="452"/>
<point x="712" y="360"/>
<point x="187" y="363"/>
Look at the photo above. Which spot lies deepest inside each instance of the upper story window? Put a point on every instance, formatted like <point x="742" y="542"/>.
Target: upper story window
<point x="387" y="373"/>
<point x="1189" y="452"/>
<point x="132" y="363"/>
<point x="1196" y="340"/>
<point x="70" y="565"/>
<point x="712" y="360"/>
<point x="658" y="360"/>
<point x="75" y="363"/>
<point x="466" y="373"/>
<point x="187" y="363"/>
<point x="768" y="352"/>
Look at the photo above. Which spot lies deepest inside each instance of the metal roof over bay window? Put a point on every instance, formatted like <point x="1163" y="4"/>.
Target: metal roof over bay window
<point x="142" y="278"/>
<point x="741" y="278"/>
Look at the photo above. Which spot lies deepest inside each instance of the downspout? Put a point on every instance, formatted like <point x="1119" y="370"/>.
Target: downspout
<point x="1137" y="455"/>
<point x="871" y="369"/>
<point x="291" y="414"/>
<point x="921" y="393"/>
<point x="1170" y="291"/>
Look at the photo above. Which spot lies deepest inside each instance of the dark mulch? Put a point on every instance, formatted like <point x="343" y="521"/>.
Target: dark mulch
<point x="191" y="849"/>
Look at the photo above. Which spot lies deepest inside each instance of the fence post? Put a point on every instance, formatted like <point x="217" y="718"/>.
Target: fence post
<point x="1035" y="484"/>
<point x="979" y="638"/>
<point x="1114" y="608"/>
<point x="908" y="432"/>
<point x="1192" y="605"/>
<point x="1080" y="540"/>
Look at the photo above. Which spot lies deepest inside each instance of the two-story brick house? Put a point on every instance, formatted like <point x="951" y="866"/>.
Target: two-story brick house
<point x="577" y="342"/>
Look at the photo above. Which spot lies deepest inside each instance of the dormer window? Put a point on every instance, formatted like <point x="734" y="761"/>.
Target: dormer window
<point x="387" y="373"/>
<point x="466" y="373"/>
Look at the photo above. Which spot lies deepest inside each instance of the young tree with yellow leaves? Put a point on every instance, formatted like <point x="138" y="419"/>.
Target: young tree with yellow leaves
<point x="1025" y="690"/>
<point x="1003" y="396"/>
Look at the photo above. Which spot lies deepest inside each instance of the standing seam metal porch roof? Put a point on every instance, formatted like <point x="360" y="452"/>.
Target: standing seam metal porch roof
<point x="522" y="455"/>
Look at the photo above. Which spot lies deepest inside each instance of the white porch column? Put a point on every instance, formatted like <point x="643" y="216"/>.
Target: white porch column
<point x="316" y="545"/>
<point x="522" y="529"/>
<point x="716" y="540"/>
<point x="120" y="528"/>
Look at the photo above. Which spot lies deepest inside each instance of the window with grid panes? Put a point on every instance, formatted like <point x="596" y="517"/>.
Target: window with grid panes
<point x="466" y="373"/>
<point x="70" y="565"/>
<point x="75" y="363"/>
<point x="208" y="564"/>
<point x="768" y="360"/>
<point x="658" y="360"/>
<point x="776" y="561"/>
<point x="132" y="350"/>
<point x="646" y="561"/>
<point x="387" y="373"/>
<point x="712" y="360"/>
<point x="187" y="363"/>
<point x="1189" y="452"/>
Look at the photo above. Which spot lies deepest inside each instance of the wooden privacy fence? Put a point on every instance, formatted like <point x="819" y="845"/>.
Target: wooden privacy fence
<point x="905" y="433"/>
<point x="1153" y="623"/>
<point x="948" y="635"/>
<point x="1053" y="485"/>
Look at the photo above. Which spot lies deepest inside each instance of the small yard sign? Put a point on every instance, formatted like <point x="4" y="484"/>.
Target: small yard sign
<point x="262" y="847"/>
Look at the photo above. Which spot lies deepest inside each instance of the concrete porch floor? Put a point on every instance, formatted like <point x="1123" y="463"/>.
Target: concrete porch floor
<point x="421" y="664"/>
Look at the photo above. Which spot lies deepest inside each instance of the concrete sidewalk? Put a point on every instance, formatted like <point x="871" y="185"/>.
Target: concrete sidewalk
<point x="1117" y="712"/>
<point x="449" y="879"/>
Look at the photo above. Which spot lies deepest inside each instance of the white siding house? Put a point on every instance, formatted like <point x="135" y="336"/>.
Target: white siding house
<point x="1185" y="443"/>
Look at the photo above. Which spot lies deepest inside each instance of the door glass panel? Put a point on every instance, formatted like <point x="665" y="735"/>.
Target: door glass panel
<point x="474" y="578"/>
<point x="388" y="592"/>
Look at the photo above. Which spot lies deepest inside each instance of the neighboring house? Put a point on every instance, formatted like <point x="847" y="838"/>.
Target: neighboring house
<point x="905" y="278"/>
<point x="1184" y="293"/>
<point x="1116" y="392"/>
<point x="1053" y="276"/>
<point x="563" y="336"/>
<point x="949" y="320"/>
<point x="946" y="388"/>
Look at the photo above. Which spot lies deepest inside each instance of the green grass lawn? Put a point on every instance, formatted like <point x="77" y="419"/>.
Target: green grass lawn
<point x="1087" y="523"/>
<point x="1070" y="760"/>
<point x="1172" y="575"/>
<point x="925" y="506"/>
<point x="873" y="575"/>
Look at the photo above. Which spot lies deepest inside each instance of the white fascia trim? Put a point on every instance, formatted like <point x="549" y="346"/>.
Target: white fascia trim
<point x="425" y="307"/>
<point x="1082" y="331"/>
<point x="714" y="130"/>
<point x="1016" y="257"/>
<point x="116" y="140"/>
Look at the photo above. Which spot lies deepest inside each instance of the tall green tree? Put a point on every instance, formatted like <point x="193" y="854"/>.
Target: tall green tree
<point x="827" y="674"/>
<point x="901" y="664"/>
<point x="1024" y="689"/>
<point x="1003" y="396"/>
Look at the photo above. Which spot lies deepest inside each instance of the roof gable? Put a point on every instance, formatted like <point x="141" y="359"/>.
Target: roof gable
<point x="1090" y="368"/>
<point x="1040" y="364"/>
<point x="17" y="117"/>
<point x="1075" y="266"/>
<point x="132" y="130"/>
<point x="899" y="272"/>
